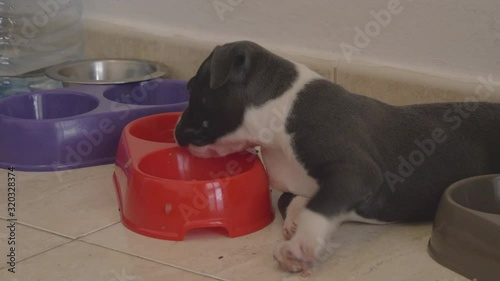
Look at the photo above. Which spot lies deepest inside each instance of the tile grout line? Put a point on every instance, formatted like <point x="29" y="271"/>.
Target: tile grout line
<point x="94" y="231"/>
<point x="42" y="252"/>
<point x="71" y="239"/>
<point x="62" y="235"/>
<point x="157" y="261"/>
<point x="121" y="252"/>
<point x="43" y="230"/>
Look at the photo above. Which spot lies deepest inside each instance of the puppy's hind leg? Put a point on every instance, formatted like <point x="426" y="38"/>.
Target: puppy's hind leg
<point x="290" y="206"/>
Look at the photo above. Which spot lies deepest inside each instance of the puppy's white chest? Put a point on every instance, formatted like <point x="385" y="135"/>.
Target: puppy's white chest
<point x="265" y="125"/>
<point x="287" y="174"/>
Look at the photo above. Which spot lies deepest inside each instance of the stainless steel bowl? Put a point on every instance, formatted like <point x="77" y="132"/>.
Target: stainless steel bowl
<point x="106" y="71"/>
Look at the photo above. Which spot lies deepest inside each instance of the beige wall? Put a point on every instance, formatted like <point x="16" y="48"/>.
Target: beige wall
<point x="458" y="39"/>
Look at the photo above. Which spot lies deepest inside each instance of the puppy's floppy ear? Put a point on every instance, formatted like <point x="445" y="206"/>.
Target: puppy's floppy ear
<point x="229" y="62"/>
<point x="189" y="84"/>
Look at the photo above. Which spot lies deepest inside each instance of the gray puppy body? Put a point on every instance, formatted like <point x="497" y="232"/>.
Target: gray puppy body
<point x="347" y="156"/>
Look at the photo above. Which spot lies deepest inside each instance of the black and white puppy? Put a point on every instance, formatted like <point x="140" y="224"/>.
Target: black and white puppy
<point x="347" y="157"/>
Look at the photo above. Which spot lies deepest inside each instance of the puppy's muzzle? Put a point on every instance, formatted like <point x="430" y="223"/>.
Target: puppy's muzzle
<point x="186" y="136"/>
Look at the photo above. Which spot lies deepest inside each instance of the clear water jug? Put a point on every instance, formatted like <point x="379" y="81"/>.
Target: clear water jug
<point x="35" y="34"/>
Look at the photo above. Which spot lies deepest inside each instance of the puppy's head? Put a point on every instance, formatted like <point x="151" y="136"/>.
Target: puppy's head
<point x="234" y="77"/>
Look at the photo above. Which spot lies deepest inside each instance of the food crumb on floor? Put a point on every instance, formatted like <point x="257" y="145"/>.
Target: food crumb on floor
<point x="221" y="257"/>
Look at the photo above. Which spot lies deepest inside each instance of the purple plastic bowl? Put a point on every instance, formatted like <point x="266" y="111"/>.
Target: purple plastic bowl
<point x="79" y="126"/>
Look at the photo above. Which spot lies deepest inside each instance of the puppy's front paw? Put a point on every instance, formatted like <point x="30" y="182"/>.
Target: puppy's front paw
<point x="295" y="256"/>
<point x="310" y="245"/>
<point x="293" y="209"/>
<point x="289" y="228"/>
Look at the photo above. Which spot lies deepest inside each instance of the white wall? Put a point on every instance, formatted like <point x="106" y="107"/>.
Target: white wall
<point x="448" y="38"/>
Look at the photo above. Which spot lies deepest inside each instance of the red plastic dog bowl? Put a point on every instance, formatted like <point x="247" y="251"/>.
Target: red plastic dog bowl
<point x="164" y="191"/>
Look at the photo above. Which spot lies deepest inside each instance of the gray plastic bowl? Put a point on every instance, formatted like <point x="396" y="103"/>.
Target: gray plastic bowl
<point x="106" y="71"/>
<point x="466" y="231"/>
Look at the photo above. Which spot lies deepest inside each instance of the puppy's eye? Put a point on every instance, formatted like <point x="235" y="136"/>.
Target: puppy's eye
<point x="204" y="124"/>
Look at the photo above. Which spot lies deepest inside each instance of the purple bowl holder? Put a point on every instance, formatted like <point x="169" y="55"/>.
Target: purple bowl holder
<point x="79" y="126"/>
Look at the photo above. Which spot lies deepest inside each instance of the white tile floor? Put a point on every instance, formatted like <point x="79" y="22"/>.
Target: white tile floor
<point x="69" y="229"/>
